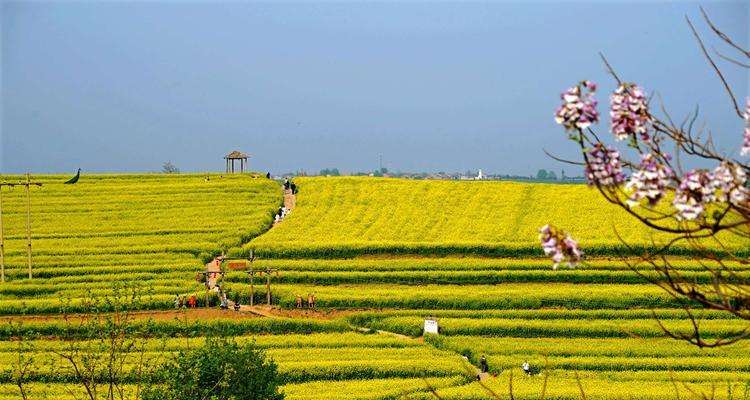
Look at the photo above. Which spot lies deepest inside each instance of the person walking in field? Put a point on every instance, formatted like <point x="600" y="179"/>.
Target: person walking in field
<point x="177" y="301"/>
<point x="526" y="368"/>
<point x="192" y="301"/>
<point x="294" y="188"/>
<point x="184" y="301"/>
<point x="298" y="298"/>
<point x="268" y="175"/>
<point x="286" y="183"/>
<point x="483" y="364"/>
<point x="311" y="300"/>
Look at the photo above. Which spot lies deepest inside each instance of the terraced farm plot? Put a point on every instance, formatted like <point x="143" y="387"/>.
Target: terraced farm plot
<point x="313" y="365"/>
<point x="145" y="230"/>
<point x="349" y="216"/>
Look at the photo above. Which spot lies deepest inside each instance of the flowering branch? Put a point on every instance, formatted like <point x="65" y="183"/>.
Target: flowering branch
<point x="693" y="206"/>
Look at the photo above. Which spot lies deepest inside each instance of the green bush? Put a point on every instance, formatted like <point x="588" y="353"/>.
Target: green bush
<point x="220" y="369"/>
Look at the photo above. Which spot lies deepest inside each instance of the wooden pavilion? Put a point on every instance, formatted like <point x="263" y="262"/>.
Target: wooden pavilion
<point x="232" y="157"/>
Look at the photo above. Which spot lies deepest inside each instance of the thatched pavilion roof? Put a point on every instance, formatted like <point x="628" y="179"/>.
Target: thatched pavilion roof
<point x="235" y="155"/>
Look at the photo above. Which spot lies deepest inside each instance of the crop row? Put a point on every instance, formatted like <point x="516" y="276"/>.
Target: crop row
<point x="465" y="277"/>
<point x="178" y="328"/>
<point x="362" y="318"/>
<point x="392" y="264"/>
<point x="371" y="389"/>
<point x="331" y="340"/>
<point x="572" y="346"/>
<point x="295" y="365"/>
<point x="557" y="328"/>
<point x="475" y="297"/>
<point x="558" y="388"/>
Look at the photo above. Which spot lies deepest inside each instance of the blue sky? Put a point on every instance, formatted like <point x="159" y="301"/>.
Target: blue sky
<point x="126" y="86"/>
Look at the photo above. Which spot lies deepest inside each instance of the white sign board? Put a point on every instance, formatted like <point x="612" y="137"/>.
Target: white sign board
<point x="431" y="326"/>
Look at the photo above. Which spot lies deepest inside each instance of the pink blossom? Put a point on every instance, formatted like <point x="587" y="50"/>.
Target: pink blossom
<point x="604" y="166"/>
<point x="726" y="183"/>
<point x="629" y="113"/>
<point x="560" y="246"/>
<point x="729" y="180"/>
<point x="578" y="110"/>
<point x="695" y="191"/>
<point x="649" y="182"/>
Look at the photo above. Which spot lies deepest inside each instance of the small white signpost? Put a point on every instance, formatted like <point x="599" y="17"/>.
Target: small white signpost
<point x="431" y="326"/>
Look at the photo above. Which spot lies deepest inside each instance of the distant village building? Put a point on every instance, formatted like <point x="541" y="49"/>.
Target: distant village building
<point x="236" y="156"/>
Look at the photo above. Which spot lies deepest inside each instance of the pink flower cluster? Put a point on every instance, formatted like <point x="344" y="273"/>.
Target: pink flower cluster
<point x="629" y="112"/>
<point x="604" y="167"/>
<point x="746" y="139"/>
<point x="578" y="110"/>
<point x="695" y="190"/>
<point x="649" y="182"/>
<point x="729" y="179"/>
<point x="560" y="246"/>
<point x="699" y="188"/>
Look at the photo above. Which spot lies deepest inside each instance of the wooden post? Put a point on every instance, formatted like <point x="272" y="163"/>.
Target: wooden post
<point x="252" y="288"/>
<point x="2" y="241"/>
<point x="268" y="286"/>
<point x="207" y="278"/>
<point x="28" y="219"/>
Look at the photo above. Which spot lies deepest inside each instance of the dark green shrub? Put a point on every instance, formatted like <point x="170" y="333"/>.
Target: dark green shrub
<point x="220" y="369"/>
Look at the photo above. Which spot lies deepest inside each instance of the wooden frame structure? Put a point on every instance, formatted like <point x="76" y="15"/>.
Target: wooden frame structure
<point x="235" y="156"/>
<point x="245" y="263"/>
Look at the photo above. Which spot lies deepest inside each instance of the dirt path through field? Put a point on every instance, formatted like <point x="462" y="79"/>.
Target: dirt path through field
<point x="290" y="200"/>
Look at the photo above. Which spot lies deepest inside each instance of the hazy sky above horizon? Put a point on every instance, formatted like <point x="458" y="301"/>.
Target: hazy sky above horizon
<point x="126" y="86"/>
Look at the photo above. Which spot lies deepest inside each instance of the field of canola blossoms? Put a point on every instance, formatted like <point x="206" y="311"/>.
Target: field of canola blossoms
<point x="144" y="230"/>
<point x="350" y="216"/>
<point x="596" y="320"/>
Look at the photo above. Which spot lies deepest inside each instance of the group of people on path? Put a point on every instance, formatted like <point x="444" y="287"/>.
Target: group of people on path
<point x="310" y="300"/>
<point x="282" y="213"/>
<point x="289" y="185"/>
<point x="184" y="302"/>
<point x="484" y="368"/>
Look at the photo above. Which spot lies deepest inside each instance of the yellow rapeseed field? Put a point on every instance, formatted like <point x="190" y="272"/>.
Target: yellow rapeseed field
<point x="361" y="215"/>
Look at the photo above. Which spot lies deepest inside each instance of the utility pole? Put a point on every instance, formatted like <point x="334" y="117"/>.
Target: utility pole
<point x="28" y="219"/>
<point x="2" y="241"/>
<point x="28" y="185"/>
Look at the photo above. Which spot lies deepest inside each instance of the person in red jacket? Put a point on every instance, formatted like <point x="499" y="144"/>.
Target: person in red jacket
<point x="192" y="301"/>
